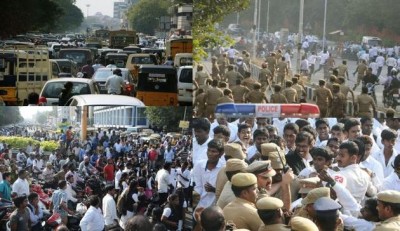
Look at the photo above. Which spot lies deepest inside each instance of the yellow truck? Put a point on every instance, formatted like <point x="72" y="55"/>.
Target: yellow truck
<point x="122" y="38"/>
<point x="23" y="70"/>
<point x="183" y="44"/>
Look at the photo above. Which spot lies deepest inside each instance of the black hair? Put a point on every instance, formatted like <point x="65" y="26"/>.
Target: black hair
<point x="242" y="126"/>
<point x="32" y="196"/>
<point x="212" y="219"/>
<point x="351" y="123"/>
<point x="222" y="129"/>
<point x="259" y="132"/>
<point x="352" y="147"/>
<point x="94" y="200"/>
<point x="334" y="139"/>
<point x="6" y="174"/>
<point x="365" y="119"/>
<point x="394" y="206"/>
<point x="361" y="147"/>
<point x="388" y="134"/>
<point x="322" y="153"/>
<point x="301" y="123"/>
<point x="302" y="136"/>
<point x="230" y="174"/>
<point x="371" y="204"/>
<point x="325" y="222"/>
<point x="311" y="130"/>
<point x="321" y="121"/>
<point x="291" y="126"/>
<point x="268" y="216"/>
<point x="338" y="127"/>
<point x="217" y="144"/>
<point x="62" y="184"/>
<point x="19" y="200"/>
<point x="201" y="123"/>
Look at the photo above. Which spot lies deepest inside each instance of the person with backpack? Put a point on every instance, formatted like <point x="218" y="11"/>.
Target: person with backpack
<point x="35" y="211"/>
<point x="241" y="66"/>
<point x="172" y="216"/>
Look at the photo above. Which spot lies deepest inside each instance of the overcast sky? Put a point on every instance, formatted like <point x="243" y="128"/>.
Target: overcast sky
<point x="104" y="6"/>
<point x="28" y="112"/>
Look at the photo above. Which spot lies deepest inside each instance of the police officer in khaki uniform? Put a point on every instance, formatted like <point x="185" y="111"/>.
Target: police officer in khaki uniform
<point x="361" y="70"/>
<point x="271" y="60"/>
<point x="327" y="214"/>
<point x="344" y="88"/>
<point x="343" y="70"/>
<point x="302" y="224"/>
<point x="211" y="99"/>
<point x="323" y="97"/>
<point x="301" y="93"/>
<point x="265" y="77"/>
<point x="215" y="69"/>
<point x="290" y="93"/>
<point x="339" y="101"/>
<point x="227" y="98"/>
<point x="264" y="173"/>
<point x="256" y="96"/>
<point x="283" y="70"/>
<point x="232" y="76"/>
<point x="332" y="80"/>
<point x="239" y="92"/>
<point x="277" y="96"/>
<point x="232" y="151"/>
<point x="242" y="211"/>
<point x="388" y="210"/>
<point x="233" y="166"/>
<point x="223" y="63"/>
<point x="246" y="58"/>
<point x="307" y="209"/>
<point x="248" y="81"/>
<point x="201" y="76"/>
<point x="270" y="212"/>
<point x="200" y="103"/>
<point x="365" y="104"/>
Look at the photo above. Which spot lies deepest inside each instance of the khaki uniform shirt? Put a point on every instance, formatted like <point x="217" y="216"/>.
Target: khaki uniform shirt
<point x="365" y="102"/>
<point x="361" y="69"/>
<point x="239" y="93"/>
<point x="344" y="89"/>
<point x="232" y="76"/>
<point x="324" y="96"/>
<point x="215" y="71"/>
<point x="201" y="77"/>
<point x="220" y="183"/>
<point x="247" y="61"/>
<point x="278" y="98"/>
<point x="271" y="63"/>
<point x="264" y="75"/>
<point x="249" y="82"/>
<point x="243" y="213"/>
<point x="342" y="69"/>
<point x="256" y="96"/>
<point x="300" y="91"/>
<point x="222" y="63"/>
<point x="200" y="102"/>
<point x="212" y="95"/>
<point x="392" y="223"/>
<point x="275" y="227"/>
<point x="339" y="102"/>
<point x="224" y="99"/>
<point x="227" y="195"/>
<point x="291" y="94"/>
<point x="282" y="68"/>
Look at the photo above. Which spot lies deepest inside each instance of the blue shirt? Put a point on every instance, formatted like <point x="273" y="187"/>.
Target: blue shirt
<point x="5" y="189"/>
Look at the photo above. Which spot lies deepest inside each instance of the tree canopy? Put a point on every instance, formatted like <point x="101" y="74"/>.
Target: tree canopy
<point x="145" y="14"/>
<point x="10" y="115"/>
<point x="168" y="116"/>
<point x="21" y="16"/>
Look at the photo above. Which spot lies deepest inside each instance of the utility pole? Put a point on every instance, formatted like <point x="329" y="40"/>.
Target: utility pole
<point x="84" y="116"/>
<point x="255" y="29"/>
<point x="300" y="35"/>
<point x="323" y="36"/>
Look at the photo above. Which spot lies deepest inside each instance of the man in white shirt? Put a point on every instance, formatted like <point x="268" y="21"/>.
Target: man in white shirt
<point x="205" y="173"/>
<point x="358" y="181"/>
<point x="374" y="66"/>
<point x="93" y="219"/>
<point x="231" y="54"/>
<point x="115" y="82"/>
<point x="71" y="194"/>
<point x="388" y="154"/>
<point x="322" y="127"/>
<point x="311" y="62"/>
<point x="367" y="162"/>
<point x="380" y="60"/>
<point x="21" y="185"/>
<point x="392" y="182"/>
<point x="109" y="208"/>
<point x="391" y="63"/>
<point x="163" y="183"/>
<point x="222" y="120"/>
<point x="184" y="179"/>
<point x="201" y="127"/>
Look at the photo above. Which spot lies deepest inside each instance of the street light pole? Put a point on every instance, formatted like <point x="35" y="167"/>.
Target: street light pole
<point x="323" y="36"/>
<point x="258" y="20"/>
<point x="255" y="29"/>
<point x="87" y="10"/>
<point x="300" y="35"/>
<point x="267" y="17"/>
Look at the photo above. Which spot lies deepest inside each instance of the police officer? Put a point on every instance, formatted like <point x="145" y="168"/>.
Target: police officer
<point x="200" y="103"/>
<point x="271" y="60"/>
<point x="323" y="97"/>
<point x="269" y="210"/>
<point x="290" y="93"/>
<point x="256" y="96"/>
<point x="233" y="166"/>
<point x="211" y="98"/>
<point x="264" y="173"/>
<point x="339" y="101"/>
<point x="344" y="88"/>
<point x="388" y="210"/>
<point x="239" y="92"/>
<point x="343" y="70"/>
<point x="361" y="71"/>
<point x="232" y="76"/>
<point x="242" y="211"/>
<point x="364" y="104"/>
<point x="223" y="63"/>
<point x="227" y="98"/>
<point x="302" y="224"/>
<point x="248" y="81"/>
<point x="215" y="69"/>
<point x="301" y="93"/>
<point x="327" y="214"/>
<point x="201" y="76"/>
<point x="265" y="77"/>
<point x="277" y="96"/>
<point x="283" y="70"/>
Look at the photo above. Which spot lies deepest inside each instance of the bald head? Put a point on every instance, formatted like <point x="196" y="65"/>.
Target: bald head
<point x="212" y="219"/>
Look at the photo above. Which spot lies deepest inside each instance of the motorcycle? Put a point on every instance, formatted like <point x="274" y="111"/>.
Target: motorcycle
<point x="392" y="99"/>
<point x="371" y="90"/>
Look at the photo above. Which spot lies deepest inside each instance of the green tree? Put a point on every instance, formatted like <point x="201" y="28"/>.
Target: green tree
<point x="206" y="14"/>
<point x="10" y="115"/>
<point x="143" y="15"/>
<point x="71" y="16"/>
<point x="168" y="116"/>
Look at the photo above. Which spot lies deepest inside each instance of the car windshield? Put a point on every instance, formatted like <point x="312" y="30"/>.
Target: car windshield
<point x="53" y="90"/>
<point x="186" y="76"/>
<point x="141" y="60"/>
<point x="102" y="75"/>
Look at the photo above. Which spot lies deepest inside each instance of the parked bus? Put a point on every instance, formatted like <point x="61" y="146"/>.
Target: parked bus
<point x="22" y="71"/>
<point x="122" y="38"/>
<point x="79" y="55"/>
<point x="182" y="44"/>
<point x="157" y="85"/>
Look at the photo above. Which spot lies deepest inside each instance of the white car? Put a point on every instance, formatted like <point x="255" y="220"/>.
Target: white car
<point x="185" y="85"/>
<point x="52" y="89"/>
<point x="103" y="100"/>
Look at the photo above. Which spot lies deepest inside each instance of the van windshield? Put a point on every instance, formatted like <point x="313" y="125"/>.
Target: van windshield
<point x="375" y="42"/>
<point x="186" y="76"/>
<point x="157" y="82"/>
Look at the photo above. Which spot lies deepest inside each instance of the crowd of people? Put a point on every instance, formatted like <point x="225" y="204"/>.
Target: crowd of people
<point x="297" y="174"/>
<point x="112" y="180"/>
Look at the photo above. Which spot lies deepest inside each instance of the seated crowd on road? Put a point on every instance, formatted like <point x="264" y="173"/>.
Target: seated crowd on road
<point x="296" y="174"/>
<point x="112" y="181"/>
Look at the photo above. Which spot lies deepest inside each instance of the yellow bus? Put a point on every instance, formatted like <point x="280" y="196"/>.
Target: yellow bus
<point x="183" y="44"/>
<point x="122" y="38"/>
<point x="157" y="85"/>
<point x="23" y="70"/>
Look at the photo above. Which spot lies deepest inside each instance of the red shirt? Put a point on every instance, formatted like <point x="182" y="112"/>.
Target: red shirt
<point x="109" y="172"/>
<point x="153" y="155"/>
